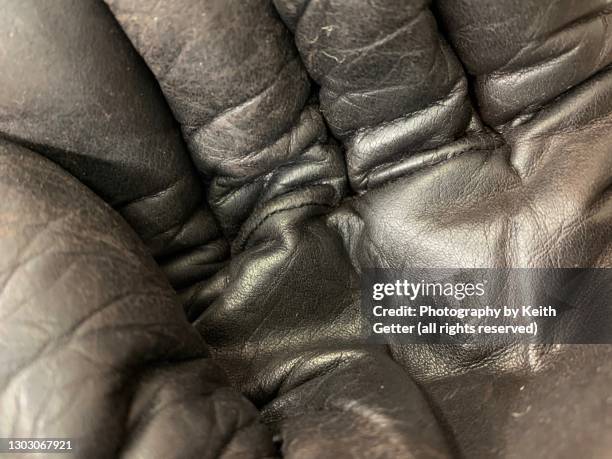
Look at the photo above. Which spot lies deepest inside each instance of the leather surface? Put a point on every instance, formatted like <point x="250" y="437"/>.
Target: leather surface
<point x="298" y="143"/>
<point x="74" y="90"/>
<point x="94" y="345"/>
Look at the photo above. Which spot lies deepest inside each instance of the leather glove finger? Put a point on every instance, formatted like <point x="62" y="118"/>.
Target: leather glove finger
<point x="74" y="90"/>
<point x="522" y="55"/>
<point x="93" y="344"/>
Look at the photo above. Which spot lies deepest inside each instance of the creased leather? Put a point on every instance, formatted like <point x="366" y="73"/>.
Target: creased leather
<point x="441" y="183"/>
<point x="93" y="343"/>
<point x="74" y="90"/>
<point x="304" y="178"/>
<point x="334" y="136"/>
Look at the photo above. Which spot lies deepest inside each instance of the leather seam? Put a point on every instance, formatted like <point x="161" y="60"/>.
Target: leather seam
<point x="435" y="163"/>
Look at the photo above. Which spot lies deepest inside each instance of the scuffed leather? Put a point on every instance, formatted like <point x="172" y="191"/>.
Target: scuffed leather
<point x="251" y="127"/>
<point x="93" y="344"/>
<point x="74" y="90"/>
<point x="334" y="136"/>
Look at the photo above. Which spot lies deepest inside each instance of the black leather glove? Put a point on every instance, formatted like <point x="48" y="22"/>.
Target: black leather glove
<point x="435" y="134"/>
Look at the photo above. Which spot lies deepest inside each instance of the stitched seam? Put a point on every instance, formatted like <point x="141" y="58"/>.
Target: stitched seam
<point x="435" y="163"/>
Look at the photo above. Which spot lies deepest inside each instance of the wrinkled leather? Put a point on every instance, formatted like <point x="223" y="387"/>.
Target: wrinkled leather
<point x="74" y="90"/>
<point x="94" y="345"/>
<point x="331" y="137"/>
